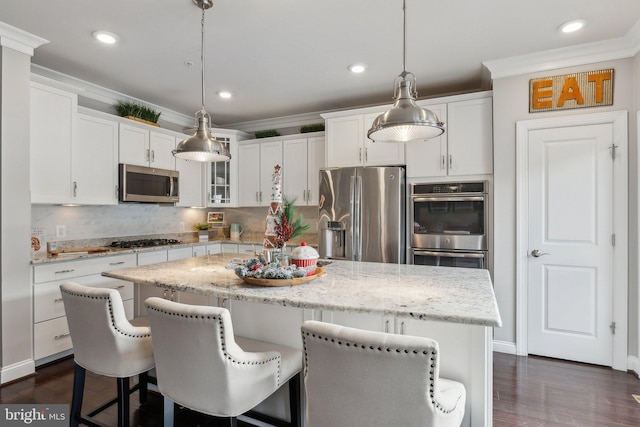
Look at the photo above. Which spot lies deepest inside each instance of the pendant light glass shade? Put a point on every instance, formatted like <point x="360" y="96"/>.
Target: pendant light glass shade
<point x="201" y="146"/>
<point x="405" y="121"/>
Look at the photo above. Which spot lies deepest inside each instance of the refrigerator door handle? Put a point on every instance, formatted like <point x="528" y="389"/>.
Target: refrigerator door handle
<point x="357" y="219"/>
<point x="352" y="211"/>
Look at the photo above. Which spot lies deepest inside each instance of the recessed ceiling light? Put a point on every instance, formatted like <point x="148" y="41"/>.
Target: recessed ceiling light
<point x="105" y="37"/>
<point x="224" y="94"/>
<point x="357" y="68"/>
<point x="572" y="26"/>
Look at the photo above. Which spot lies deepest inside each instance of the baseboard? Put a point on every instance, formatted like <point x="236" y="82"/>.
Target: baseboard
<point x="504" y="347"/>
<point x="17" y="370"/>
<point x="633" y="365"/>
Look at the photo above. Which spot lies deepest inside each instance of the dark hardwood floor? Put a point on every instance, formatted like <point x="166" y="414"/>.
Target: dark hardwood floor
<point x="537" y="391"/>
<point x="528" y="391"/>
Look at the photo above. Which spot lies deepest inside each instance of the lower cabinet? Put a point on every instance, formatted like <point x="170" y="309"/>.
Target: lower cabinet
<point x="51" y="338"/>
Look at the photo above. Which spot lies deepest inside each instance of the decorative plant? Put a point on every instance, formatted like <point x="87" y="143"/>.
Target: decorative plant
<point x="287" y="226"/>
<point x="139" y="111"/>
<point x="202" y="226"/>
<point x="267" y="133"/>
<point x="316" y="127"/>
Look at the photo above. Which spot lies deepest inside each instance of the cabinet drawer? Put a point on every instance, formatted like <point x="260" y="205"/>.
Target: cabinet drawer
<point x="47" y="299"/>
<point x="51" y="337"/>
<point x="71" y="269"/>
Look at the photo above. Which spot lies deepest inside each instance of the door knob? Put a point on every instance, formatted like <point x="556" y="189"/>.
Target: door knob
<point x="536" y="253"/>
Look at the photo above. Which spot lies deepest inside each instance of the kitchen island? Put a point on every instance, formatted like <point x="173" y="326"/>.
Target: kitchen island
<point x="455" y="306"/>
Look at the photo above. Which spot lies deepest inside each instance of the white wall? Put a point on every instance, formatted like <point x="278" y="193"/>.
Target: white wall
<point x="510" y="104"/>
<point x="15" y="289"/>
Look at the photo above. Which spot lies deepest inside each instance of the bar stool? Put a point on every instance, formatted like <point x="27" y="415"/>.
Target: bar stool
<point x="354" y="377"/>
<point x="202" y="366"/>
<point x="106" y="343"/>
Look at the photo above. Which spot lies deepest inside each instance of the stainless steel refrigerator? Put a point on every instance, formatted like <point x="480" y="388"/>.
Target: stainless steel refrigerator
<point x="362" y="214"/>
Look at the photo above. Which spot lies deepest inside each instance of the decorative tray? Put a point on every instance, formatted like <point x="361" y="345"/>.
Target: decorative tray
<point x="319" y="272"/>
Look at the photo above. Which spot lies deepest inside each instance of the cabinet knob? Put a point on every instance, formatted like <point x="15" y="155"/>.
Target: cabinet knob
<point x="75" y="189"/>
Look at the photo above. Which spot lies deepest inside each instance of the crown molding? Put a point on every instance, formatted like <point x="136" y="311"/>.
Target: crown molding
<point x="588" y="53"/>
<point x="107" y="96"/>
<point x="19" y="40"/>
<point x="278" y="122"/>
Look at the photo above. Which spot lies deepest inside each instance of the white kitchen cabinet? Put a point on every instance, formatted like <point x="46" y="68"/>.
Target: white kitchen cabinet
<point x="470" y="139"/>
<point x="380" y="153"/>
<point x="51" y="337"/>
<point x="191" y="182"/>
<point x="94" y="162"/>
<point x="302" y="160"/>
<point x="429" y="158"/>
<point x="464" y="149"/>
<point x="52" y="130"/>
<point x="345" y="141"/>
<point x="249" y="174"/>
<point x="256" y="161"/>
<point x="143" y="147"/>
<point x="222" y="191"/>
<point x="348" y="145"/>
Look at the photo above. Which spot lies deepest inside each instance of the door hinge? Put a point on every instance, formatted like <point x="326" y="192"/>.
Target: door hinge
<point x="613" y="328"/>
<point x="613" y="239"/>
<point x="613" y="151"/>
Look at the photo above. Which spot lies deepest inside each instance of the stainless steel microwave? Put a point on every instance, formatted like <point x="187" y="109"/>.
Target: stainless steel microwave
<point x="147" y="185"/>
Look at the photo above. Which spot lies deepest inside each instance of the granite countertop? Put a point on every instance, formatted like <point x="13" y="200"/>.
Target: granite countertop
<point x="457" y="295"/>
<point x="251" y="239"/>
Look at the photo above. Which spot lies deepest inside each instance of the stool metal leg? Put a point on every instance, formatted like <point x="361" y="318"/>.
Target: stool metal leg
<point x="123" y="402"/>
<point x="143" y="380"/>
<point x="78" y="391"/>
<point x="294" y="401"/>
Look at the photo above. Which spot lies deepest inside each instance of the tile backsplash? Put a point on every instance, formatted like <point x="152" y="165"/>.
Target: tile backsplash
<point x="97" y="222"/>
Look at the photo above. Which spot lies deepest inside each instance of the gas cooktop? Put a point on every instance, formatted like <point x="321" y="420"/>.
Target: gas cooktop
<point x="143" y="243"/>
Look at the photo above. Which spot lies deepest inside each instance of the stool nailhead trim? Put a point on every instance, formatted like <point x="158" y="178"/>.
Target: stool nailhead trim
<point x="111" y="316"/>
<point x="431" y="354"/>
<point x="222" y="340"/>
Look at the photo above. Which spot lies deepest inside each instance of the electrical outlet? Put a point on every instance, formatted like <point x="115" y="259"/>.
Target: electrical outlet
<point x="61" y="231"/>
<point x="181" y="225"/>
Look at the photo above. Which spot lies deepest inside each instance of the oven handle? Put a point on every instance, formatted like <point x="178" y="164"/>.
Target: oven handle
<point x="449" y="199"/>
<point x="450" y="254"/>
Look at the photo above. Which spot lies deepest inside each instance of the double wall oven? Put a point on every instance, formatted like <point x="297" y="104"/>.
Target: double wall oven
<point x="450" y="224"/>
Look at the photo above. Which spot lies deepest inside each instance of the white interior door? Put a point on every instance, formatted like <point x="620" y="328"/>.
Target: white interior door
<point x="570" y="225"/>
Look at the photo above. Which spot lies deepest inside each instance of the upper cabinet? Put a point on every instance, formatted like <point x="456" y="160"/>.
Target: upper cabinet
<point x="464" y="149"/>
<point x="191" y="182"/>
<point x="94" y="161"/>
<point x="300" y="156"/>
<point x="348" y="145"/>
<point x="256" y="161"/>
<point x="302" y="160"/>
<point x="223" y="176"/>
<point x="470" y="139"/>
<point x="144" y="147"/>
<point x="52" y="130"/>
<point x="429" y="158"/>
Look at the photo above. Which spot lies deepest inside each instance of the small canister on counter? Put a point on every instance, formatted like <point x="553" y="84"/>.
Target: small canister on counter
<point x="305" y="257"/>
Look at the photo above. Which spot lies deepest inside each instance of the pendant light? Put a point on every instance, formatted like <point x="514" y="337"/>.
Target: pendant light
<point x="405" y="121"/>
<point x="201" y="146"/>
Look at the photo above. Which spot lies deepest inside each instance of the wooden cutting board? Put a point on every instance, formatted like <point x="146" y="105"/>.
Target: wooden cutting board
<point x="90" y="250"/>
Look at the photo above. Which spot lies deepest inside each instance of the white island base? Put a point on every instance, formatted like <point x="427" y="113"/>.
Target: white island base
<point x="454" y="306"/>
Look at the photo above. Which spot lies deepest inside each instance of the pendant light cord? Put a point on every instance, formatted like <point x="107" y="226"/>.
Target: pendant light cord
<point x="202" y="58"/>
<point x="404" y="37"/>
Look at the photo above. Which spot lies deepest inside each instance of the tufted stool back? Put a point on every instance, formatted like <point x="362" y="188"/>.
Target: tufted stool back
<point x="201" y="366"/>
<point x="104" y="341"/>
<point x="362" y="378"/>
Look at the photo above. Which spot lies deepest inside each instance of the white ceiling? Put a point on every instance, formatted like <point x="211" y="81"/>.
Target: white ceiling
<point x="286" y="57"/>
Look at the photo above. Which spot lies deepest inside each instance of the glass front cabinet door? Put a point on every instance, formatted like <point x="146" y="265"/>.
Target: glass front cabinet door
<point x="222" y="176"/>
